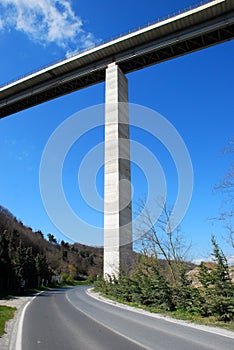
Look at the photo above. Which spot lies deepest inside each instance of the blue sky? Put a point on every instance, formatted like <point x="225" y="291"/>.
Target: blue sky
<point x="193" y="92"/>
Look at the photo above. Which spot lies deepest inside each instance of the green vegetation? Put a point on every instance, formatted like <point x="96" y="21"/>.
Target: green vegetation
<point x="6" y="313"/>
<point x="149" y="287"/>
<point x="217" y="288"/>
<point x="28" y="261"/>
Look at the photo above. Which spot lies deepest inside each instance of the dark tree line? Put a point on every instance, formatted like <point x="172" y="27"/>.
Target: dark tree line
<point x="19" y="263"/>
<point x="27" y="256"/>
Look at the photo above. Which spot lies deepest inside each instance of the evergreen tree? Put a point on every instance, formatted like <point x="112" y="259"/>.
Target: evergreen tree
<point x="223" y="298"/>
<point x="19" y="262"/>
<point x="29" y="269"/>
<point x="186" y="297"/>
<point x="152" y="288"/>
<point x="218" y="289"/>
<point x="5" y="261"/>
<point x="42" y="268"/>
<point x="221" y="278"/>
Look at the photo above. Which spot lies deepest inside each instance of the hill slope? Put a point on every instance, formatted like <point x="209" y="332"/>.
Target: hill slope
<point x="25" y="254"/>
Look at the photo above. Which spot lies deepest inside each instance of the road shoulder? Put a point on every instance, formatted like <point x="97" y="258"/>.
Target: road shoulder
<point x="11" y="326"/>
<point x="209" y="329"/>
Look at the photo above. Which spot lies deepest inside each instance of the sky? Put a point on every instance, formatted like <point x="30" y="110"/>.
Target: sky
<point x="193" y="92"/>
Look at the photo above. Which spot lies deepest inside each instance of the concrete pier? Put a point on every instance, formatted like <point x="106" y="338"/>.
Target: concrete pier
<point x="117" y="176"/>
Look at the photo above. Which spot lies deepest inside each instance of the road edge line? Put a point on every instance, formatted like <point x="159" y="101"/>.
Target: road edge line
<point x="16" y="341"/>
<point x="209" y="329"/>
<point x="145" y="347"/>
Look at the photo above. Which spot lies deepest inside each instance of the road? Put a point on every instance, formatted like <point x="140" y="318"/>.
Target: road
<point x="70" y="319"/>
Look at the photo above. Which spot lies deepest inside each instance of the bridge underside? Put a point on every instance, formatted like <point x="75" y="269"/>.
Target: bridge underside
<point x="128" y="61"/>
<point x="178" y="49"/>
<point x="202" y="27"/>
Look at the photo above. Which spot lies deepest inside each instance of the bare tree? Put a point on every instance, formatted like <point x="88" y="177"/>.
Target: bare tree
<point x="158" y="239"/>
<point x="226" y="186"/>
<point x="227" y="183"/>
<point x="230" y="233"/>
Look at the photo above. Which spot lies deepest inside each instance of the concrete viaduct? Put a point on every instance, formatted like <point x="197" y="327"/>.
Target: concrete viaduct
<point x="205" y="25"/>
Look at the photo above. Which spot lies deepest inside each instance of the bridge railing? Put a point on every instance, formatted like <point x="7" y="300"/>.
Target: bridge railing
<point x="105" y="41"/>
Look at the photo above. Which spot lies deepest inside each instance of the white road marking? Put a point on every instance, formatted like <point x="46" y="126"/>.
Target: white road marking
<point x="18" y="343"/>
<point x="108" y="327"/>
<point x="213" y="330"/>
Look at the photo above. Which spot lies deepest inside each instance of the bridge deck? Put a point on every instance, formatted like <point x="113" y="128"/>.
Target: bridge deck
<point x="201" y="27"/>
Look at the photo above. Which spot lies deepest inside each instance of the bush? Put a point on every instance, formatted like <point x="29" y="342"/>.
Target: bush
<point x="66" y="277"/>
<point x="147" y="286"/>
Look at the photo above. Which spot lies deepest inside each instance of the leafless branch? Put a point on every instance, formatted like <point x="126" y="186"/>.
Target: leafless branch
<point x="157" y="237"/>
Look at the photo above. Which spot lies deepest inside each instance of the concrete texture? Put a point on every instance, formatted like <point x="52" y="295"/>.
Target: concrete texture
<point x="208" y="24"/>
<point x="117" y="186"/>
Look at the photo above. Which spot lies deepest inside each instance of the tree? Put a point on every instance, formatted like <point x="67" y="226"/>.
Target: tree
<point x="5" y="260"/>
<point x="226" y="186"/>
<point x="160" y="240"/>
<point x="29" y="270"/>
<point x="51" y="238"/>
<point x="227" y="183"/>
<point x="221" y="278"/>
<point x="19" y="262"/>
<point x="218" y="289"/>
<point x="153" y="288"/>
<point x="42" y="268"/>
<point x="65" y="244"/>
<point x="146" y="286"/>
<point x="25" y="265"/>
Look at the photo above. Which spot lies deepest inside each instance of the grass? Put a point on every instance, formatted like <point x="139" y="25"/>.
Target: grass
<point x="207" y="321"/>
<point x="178" y="314"/>
<point x="6" y="313"/>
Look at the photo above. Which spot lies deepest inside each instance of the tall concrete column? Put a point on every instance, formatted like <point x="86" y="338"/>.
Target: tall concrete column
<point x="117" y="177"/>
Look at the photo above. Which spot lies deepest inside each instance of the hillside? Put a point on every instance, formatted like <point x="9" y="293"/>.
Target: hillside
<point x="27" y="255"/>
<point x="20" y="245"/>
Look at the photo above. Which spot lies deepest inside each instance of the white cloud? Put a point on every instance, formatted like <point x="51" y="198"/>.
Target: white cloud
<point x="197" y="261"/>
<point x="46" y="21"/>
<point x="230" y="260"/>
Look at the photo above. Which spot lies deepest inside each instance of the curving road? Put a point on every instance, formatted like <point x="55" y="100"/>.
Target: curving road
<point x="70" y="319"/>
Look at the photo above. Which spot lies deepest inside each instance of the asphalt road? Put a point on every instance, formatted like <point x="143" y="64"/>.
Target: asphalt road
<point x="69" y="319"/>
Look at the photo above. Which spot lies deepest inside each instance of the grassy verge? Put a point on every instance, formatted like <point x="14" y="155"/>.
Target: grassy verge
<point x="207" y="321"/>
<point x="6" y="313"/>
<point x="179" y="314"/>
